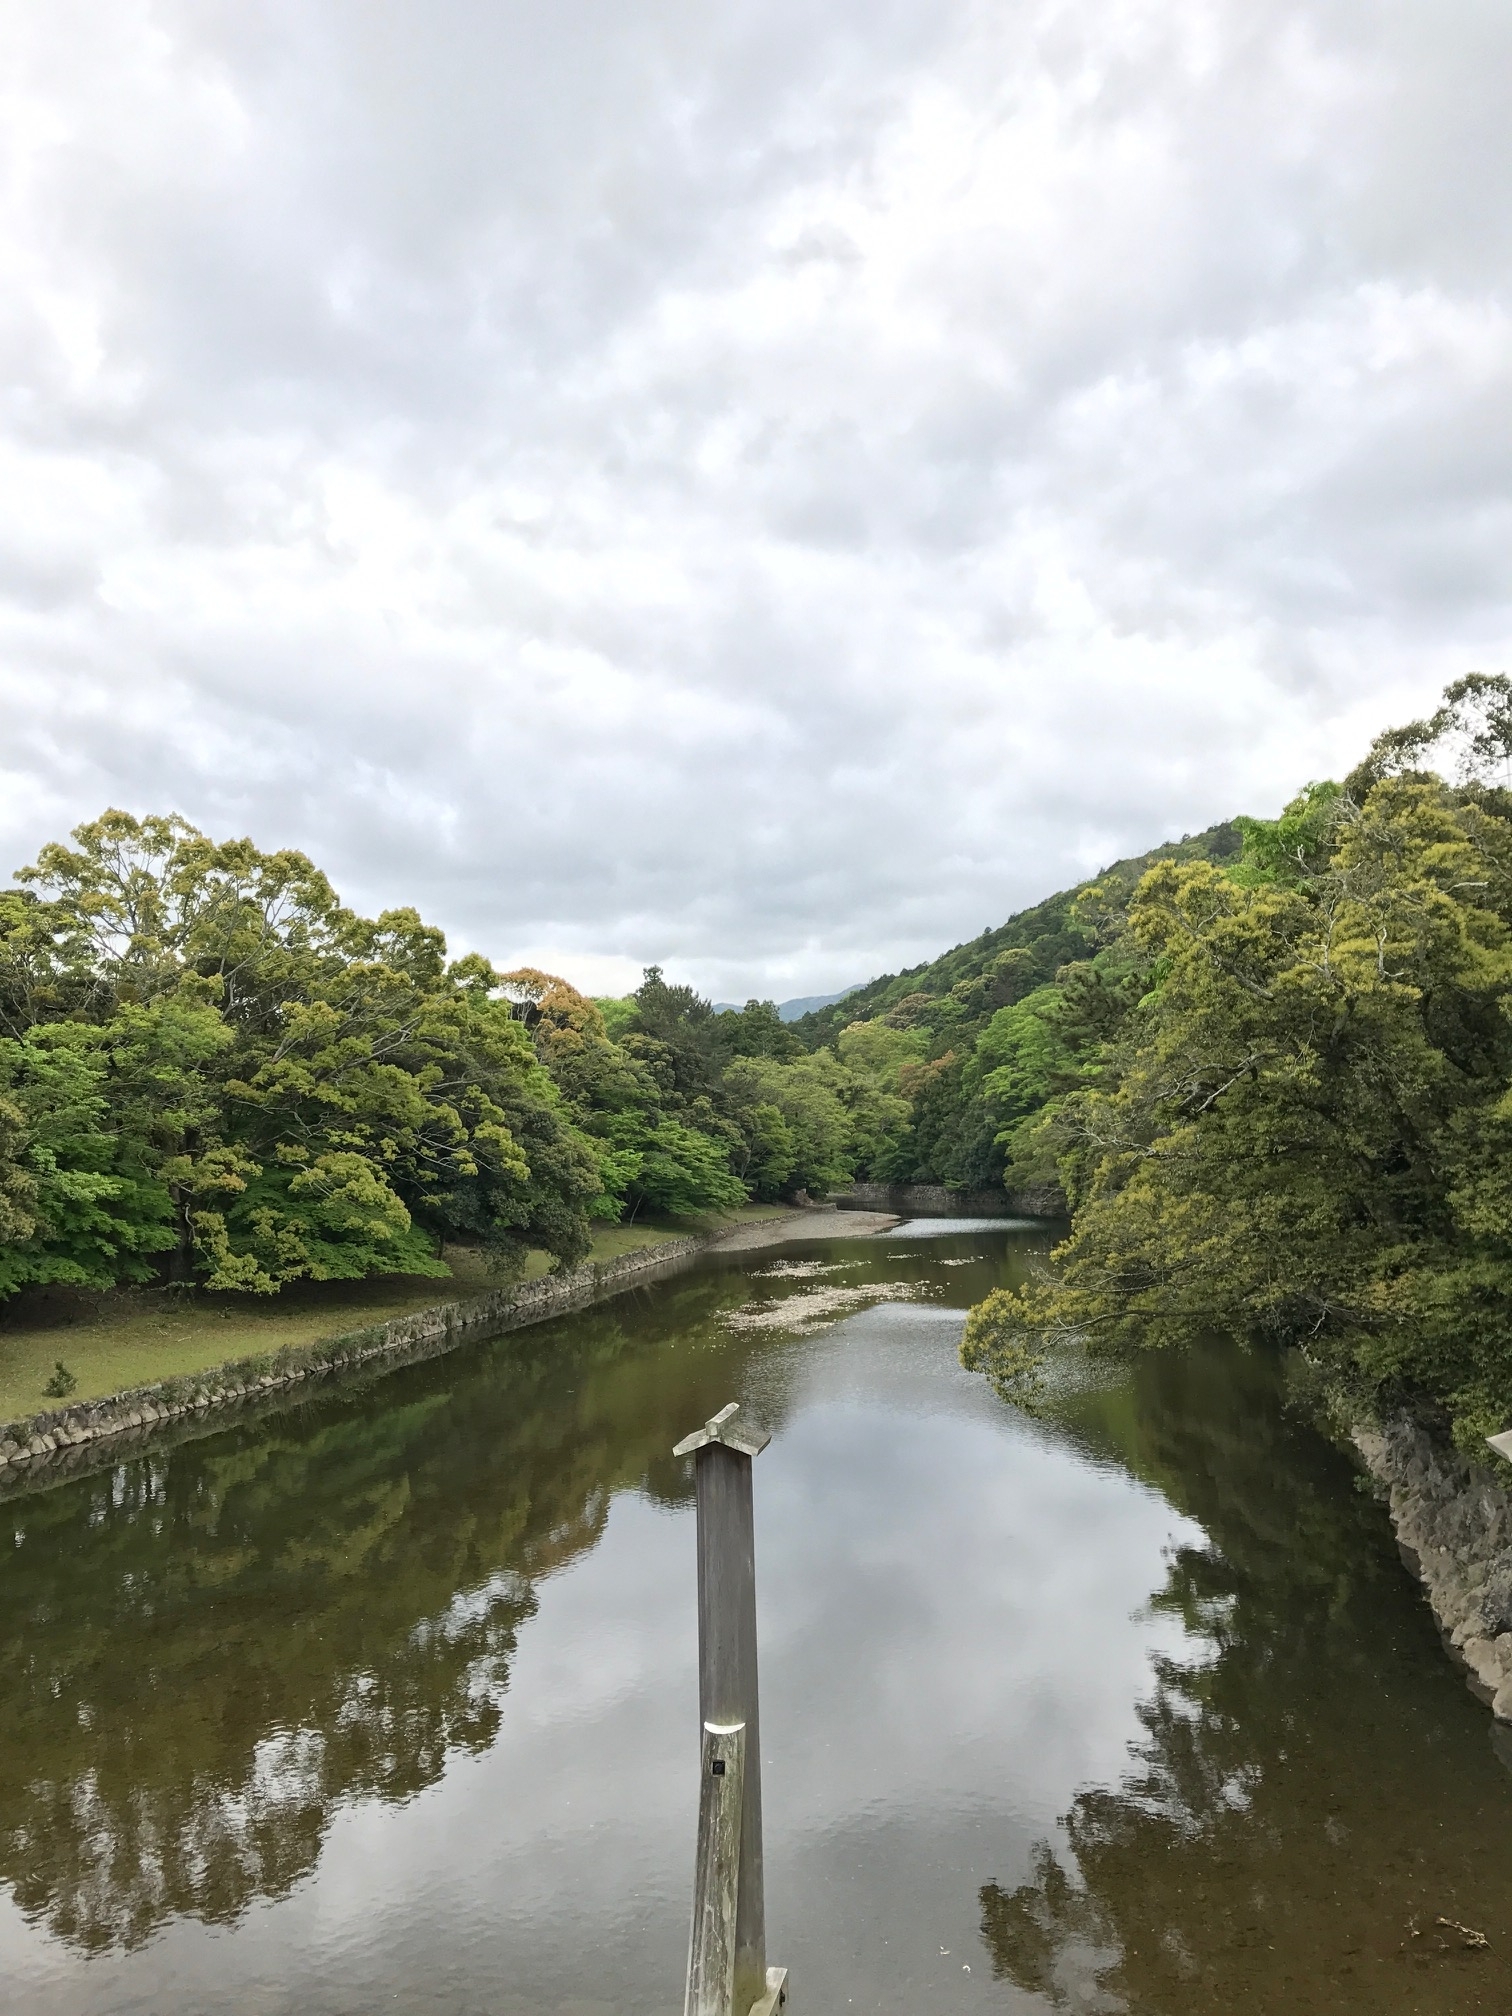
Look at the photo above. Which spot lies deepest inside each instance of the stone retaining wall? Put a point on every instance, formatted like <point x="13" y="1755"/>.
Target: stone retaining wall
<point x="933" y="1200"/>
<point x="54" y="1444"/>
<point x="1453" y="1521"/>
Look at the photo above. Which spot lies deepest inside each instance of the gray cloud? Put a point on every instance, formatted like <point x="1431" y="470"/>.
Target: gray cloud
<point x="763" y="489"/>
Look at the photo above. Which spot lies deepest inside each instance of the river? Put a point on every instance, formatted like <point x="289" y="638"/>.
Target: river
<point x="390" y="1702"/>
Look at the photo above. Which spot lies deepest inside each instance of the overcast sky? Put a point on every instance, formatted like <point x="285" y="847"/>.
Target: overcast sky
<point x="767" y="486"/>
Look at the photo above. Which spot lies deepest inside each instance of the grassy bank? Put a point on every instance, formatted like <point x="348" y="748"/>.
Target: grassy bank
<point x="111" y="1342"/>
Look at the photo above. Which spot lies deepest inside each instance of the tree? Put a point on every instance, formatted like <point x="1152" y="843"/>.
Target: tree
<point x="816" y="1134"/>
<point x="18" y="1189"/>
<point x="676" y="1169"/>
<point x="1304" y="1126"/>
<point x="771" y="1150"/>
<point x="625" y="1099"/>
<point x="757" y="1030"/>
<point x="214" y="1059"/>
<point x="92" y="1222"/>
<point x="683" y="1027"/>
<point x="617" y="1013"/>
<point x="879" y="1051"/>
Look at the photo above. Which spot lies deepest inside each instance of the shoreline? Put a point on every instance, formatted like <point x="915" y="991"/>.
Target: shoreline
<point x="62" y="1442"/>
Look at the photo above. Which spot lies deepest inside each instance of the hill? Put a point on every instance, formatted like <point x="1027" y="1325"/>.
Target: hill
<point x="981" y="975"/>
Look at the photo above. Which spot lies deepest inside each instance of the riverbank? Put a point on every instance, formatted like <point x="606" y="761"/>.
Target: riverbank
<point x="115" y="1339"/>
<point x="59" y="1441"/>
<point x="1453" y="1523"/>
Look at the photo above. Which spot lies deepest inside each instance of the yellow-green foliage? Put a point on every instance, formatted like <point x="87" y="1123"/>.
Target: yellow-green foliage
<point x="1305" y="1128"/>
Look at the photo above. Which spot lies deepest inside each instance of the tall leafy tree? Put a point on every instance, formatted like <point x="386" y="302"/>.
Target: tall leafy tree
<point x="796" y="1122"/>
<point x="1303" y="1130"/>
<point x="659" y="1148"/>
<point x="18" y="1188"/>
<point x="215" y="1059"/>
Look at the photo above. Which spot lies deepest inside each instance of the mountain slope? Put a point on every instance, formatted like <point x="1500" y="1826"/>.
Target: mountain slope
<point x="976" y="975"/>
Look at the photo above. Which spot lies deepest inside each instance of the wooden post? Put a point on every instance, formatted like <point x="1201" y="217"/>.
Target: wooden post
<point x="727" y="1970"/>
<point x="716" y="1878"/>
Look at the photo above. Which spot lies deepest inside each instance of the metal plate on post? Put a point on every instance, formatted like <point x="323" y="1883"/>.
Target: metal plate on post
<point x="716" y="1881"/>
<point x="776" y="1993"/>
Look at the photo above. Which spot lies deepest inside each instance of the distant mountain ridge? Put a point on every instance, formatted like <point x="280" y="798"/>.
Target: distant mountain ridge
<point x="801" y="1004"/>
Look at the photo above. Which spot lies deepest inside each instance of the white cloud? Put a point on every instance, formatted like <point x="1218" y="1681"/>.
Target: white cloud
<point x="762" y="490"/>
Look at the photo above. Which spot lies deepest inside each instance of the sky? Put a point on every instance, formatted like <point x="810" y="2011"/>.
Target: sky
<point x="768" y="489"/>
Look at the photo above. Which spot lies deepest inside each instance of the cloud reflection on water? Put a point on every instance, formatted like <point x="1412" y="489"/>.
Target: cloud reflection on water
<point x="954" y="1637"/>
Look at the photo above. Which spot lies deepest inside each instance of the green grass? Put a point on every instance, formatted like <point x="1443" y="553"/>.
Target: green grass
<point x="126" y="1338"/>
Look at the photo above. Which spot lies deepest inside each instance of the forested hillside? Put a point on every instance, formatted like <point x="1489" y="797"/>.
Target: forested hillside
<point x="989" y="1031"/>
<point x="1040" y="941"/>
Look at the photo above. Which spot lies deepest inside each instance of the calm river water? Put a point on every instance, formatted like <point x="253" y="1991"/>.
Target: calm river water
<point x="391" y="1704"/>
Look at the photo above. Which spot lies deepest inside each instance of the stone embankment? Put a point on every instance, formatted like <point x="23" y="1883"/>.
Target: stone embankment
<point x="50" y="1446"/>
<point x="1453" y="1521"/>
<point x="934" y="1200"/>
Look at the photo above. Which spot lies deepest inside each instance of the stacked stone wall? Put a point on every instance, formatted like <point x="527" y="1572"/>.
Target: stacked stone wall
<point x="1453" y="1522"/>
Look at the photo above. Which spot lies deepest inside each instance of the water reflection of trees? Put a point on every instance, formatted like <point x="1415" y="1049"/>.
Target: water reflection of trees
<point x="203" y="1653"/>
<point x="1307" y="1791"/>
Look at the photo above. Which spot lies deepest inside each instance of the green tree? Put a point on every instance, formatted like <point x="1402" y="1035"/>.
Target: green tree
<point x="616" y="1012"/>
<point x="625" y="1099"/>
<point x="18" y="1188"/>
<point x="1303" y="1129"/>
<point x="315" y="1094"/>
<point x="757" y="1030"/>
<point x="771" y="1150"/>
<point x="678" y="1029"/>
<point x="675" y="1169"/>
<point x="88" y="1222"/>
<point x="878" y="1051"/>
<point x="816" y="1128"/>
<point x="1022" y="1057"/>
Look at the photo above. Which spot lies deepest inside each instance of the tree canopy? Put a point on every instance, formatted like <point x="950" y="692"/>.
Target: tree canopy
<point x="218" y="1072"/>
<point x="1297" y="1121"/>
<point x="213" y="1071"/>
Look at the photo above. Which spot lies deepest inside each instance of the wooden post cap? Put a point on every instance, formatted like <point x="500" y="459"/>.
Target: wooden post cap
<point x="718" y="1428"/>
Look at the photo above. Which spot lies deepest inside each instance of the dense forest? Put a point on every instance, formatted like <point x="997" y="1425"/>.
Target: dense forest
<point x="982" y="1038"/>
<point x="212" y="1071"/>
<point x="1296" y="1123"/>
